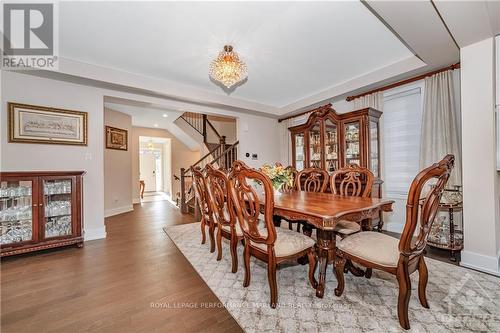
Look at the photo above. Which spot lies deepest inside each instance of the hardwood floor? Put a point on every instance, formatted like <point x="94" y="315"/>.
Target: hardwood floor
<point x="110" y="285"/>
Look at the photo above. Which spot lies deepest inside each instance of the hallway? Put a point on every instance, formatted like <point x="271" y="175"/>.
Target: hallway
<point x="109" y="285"/>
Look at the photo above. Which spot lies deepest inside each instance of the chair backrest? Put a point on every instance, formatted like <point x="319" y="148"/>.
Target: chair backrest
<point x="294" y="173"/>
<point x="312" y="180"/>
<point x="352" y="180"/>
<point x="247" y="205"/>
<point x="422" y="211"/>
<point x="218" y="196"/>
<point x="200" y="190"/>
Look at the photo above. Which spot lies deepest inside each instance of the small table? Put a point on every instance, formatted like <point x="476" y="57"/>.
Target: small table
<point x="323" y="211"/>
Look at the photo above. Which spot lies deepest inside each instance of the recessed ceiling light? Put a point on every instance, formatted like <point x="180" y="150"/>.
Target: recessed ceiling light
<point x="156" y="125"/>
<point x="165" y="115"/>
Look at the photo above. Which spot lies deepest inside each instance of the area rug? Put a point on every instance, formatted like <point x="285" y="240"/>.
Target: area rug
<point x="461" y="300"/>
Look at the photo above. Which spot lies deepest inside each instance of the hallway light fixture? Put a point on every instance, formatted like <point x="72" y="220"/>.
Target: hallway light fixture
<point x="227" y="68"/>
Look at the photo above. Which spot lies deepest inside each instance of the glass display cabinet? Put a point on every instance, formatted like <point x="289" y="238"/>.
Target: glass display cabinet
<point x="330" y="141"/>
<point x="40" y="210"/>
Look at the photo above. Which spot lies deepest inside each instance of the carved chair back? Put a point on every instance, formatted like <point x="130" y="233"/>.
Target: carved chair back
<point x="200" y="191"/>
<point x="247" y="204"/>
<point x="352" y="180"/>
<point x="294" y="173"/>
<point x="312" y="180"/>
<point x="422" y="211"/>
<point x="219" y="198"/>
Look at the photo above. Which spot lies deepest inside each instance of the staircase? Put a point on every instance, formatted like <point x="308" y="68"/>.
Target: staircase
<point x="220" y="155"/>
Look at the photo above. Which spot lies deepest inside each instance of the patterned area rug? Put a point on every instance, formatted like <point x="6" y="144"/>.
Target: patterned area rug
<point x="461" y="300"/>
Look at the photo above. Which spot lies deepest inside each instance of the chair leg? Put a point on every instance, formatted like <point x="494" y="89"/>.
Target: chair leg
<point x="368" y="273"/>
<point x="403" y="277"/>
<point x="312" y="268"/>
<point x="339" y="274"/>
<point x="290" y="227"/>
<point x="246" y="259"/>
<point x="422" y="282"/>
<point x="271" y="276"/>
<point x="203" y="236"/>
<point x="219" y="243"/>
<point x="234" y="254"/>
<point x="211" y="233"/>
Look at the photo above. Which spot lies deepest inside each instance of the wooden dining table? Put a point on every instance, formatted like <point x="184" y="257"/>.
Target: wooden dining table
<point x="323" y="211"/>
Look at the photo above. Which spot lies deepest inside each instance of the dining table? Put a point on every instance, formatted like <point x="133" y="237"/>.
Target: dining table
<point x="323" y="211"/>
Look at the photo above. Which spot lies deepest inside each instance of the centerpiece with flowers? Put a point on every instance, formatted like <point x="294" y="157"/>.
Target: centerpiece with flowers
<point x="278" y="175"/>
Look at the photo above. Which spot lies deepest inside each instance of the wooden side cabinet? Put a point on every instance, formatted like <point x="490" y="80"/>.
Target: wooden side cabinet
<point x="40" y="210"/>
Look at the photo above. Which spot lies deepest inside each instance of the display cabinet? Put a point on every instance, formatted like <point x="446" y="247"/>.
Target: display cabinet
<point x="329" y="140"/>
<point x="40" y="210"/>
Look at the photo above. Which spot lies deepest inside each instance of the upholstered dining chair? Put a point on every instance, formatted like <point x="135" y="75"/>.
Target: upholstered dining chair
<point x="200" y="192"/>
<point x="404" y="256"/>
<point x="223" y="213"/>
<point x="310" y="180"/>
<point x="351" y="180"/>
<point x="262" y="240"/>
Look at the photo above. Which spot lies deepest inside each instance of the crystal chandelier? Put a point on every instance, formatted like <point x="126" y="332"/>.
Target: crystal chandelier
<point x="227" y="68"/>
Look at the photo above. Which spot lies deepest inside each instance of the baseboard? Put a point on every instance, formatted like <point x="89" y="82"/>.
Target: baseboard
<point x="136" y="201"/>
<point x="480" y="262"/>
<point x="118" y="210"/>
<point x="91" y="234"/>
<point x="394" y="227"/>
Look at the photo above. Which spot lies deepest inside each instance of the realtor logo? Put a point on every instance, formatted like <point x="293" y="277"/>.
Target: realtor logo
<point x="29" y="36"/>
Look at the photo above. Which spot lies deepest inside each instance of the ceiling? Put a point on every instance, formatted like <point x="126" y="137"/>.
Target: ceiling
<point x="293" y="49"/>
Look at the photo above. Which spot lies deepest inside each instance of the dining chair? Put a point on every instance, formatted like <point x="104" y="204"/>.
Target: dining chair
<point x="200" y="192"/>
<point x="223" y="213"/>
<point x="262" y="239"/>
<point x="310" y="180"/>
<point x="404" y="256"/>
<point x="355" y="181"/>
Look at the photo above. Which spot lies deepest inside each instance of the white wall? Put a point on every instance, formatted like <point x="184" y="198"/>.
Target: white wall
<point x="480" y="179"/>
<point x="117" y="168"/>
<point x="258" y="135"/>
<point x="29" y="157"/>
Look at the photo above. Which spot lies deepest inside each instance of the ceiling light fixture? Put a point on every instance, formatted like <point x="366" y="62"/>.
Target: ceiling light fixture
<point x="227" y="68"/>
<point x="165" y="115"/>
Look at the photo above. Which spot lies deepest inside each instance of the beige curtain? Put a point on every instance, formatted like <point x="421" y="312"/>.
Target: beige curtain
<point x="375" y="100"/>
<point x="440" y="124"/>
<point x="286" y="138"/>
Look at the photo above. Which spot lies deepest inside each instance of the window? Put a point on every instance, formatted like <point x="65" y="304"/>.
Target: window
<point x="402" y="122"/>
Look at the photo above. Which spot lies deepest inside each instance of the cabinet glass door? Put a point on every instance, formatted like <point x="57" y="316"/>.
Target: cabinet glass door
<point x="331" y="146"/>
<point x="374" y="153"/>
<point x="299" y="151"/>
<point x="315" y="146"/>
<point x="57" y="204"/>
<point x="352" y="143"/>
<point x="16" y="211"/>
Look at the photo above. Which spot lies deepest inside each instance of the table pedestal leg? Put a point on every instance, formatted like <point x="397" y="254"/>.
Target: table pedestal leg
<point x="326" y="253"/>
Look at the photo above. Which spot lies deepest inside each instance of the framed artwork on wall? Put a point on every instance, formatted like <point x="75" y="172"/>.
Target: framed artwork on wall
<point x="46" y="125"/>
<point x="116" y="138"/>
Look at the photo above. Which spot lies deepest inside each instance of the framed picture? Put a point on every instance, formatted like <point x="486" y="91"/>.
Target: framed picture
<point x="39" y="124"/>
<point x="116" y="138"/>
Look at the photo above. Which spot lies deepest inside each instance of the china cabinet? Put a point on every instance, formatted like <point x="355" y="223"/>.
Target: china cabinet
<point x="331" y="141"/>
<point x="40" y="210"/>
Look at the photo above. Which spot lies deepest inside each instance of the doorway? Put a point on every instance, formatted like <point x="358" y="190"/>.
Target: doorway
<point x="155" y="168"/>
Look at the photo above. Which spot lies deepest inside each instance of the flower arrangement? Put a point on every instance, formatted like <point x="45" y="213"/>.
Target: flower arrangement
<point x="278" y="175"/>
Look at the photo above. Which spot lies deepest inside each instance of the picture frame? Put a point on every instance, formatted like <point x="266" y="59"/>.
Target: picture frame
<point x="116" y="138"/>
<point x="46" y="125"/>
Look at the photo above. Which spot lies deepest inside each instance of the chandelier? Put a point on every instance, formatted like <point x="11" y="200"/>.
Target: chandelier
<point x="227" y="68"/>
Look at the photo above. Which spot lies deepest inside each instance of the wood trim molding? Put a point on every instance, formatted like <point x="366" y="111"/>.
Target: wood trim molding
<point x="400" y="83"/>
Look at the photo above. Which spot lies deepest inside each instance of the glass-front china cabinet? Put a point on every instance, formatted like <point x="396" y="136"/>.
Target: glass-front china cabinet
<point x="330" y="141"/>
<point x="40" y="210"/>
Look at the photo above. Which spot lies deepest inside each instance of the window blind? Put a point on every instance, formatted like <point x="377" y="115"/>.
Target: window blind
<point x="402" y="122"/>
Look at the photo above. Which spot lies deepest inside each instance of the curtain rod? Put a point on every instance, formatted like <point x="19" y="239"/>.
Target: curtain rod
<point x="390" y="86"/>
<point x="400" y="83"/>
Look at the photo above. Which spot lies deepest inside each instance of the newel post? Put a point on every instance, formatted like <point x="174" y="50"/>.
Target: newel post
<point x="183" y="191"/>
<point x="222" y="163"/>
